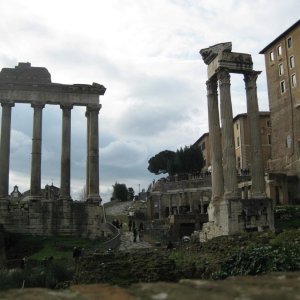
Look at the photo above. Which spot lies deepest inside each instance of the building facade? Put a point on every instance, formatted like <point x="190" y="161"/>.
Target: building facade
<point x="282" y="61"/>
<point x="242" y="142"/>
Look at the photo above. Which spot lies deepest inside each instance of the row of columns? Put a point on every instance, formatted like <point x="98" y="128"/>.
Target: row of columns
<point x="178" y="203"/>
<point x="92" y="176"/>
<point x="224" y="178"/>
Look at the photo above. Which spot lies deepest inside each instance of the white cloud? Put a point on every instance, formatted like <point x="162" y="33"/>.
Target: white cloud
<point x="146" y="53"/>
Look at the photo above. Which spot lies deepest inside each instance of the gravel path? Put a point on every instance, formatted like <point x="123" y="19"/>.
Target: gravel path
<point x="127" y="242"/>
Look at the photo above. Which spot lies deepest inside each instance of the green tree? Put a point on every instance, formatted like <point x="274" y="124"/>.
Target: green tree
<point x="120" y="192"/>
<point x="158" y="164"/>
<point x="184" y="160"/>
<point x="130" y="193"/>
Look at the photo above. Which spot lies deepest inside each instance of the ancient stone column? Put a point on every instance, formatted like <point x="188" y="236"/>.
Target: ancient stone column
<point x="5" y="148"/>
<point x="215" y="139"/>
<point x="93" y="164"/>
<point x="228" y="145"/>
<point x="65" y="173"/>
<point x="257" y="167"/>
<point x="191" y="201"/>
<point x="159" y="206"/>
<point x="35" y="181"/>
<point x="87" y="114"/>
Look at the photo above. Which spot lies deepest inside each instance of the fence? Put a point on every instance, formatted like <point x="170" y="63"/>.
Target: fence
<point x="114" y="242"/>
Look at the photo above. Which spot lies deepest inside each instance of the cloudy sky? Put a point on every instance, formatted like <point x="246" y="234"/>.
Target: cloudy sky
<point x="146" y="53"/>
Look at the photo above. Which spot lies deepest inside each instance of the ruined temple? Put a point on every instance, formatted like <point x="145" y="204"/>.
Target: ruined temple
<point x="229" y="212"/>
<point x="38" y="213"/>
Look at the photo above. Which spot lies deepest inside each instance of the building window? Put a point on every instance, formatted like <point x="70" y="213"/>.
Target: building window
<point x="292" y="62"/>
<point x="203" y="146"/>
<point x="289" y="42"/>
<point x="280" y="67"/>
<point x="279" y="50"/>
<point x="271" y="56"/>
<point x="238" y="141"/>
<point x="282" y="86"/>
<point x="288" y="142"/>
<point x="237" y="126"/>
<point x="293" y="80"/>
<point x="269" y="124"/>
<point x="269" y="139"/>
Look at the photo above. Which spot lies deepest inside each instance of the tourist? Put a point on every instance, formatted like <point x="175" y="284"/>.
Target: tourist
<point x="23" y="262"/>
<point x="134" y="234"/>
<point x="170" y="245"/>
<point x="130" y="225"/>
<point x="76" y="254"/>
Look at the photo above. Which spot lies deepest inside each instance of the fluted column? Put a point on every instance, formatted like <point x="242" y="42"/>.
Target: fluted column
<point x="215" y="139"/>
<point x="65" y="172"/>
<point x="191" y="202"/>
<point x="159" y="206"/>
<point x="93" y="159"/>
<point x="35" y="181"/>
<point x="87" y="114"/>
<point x="257" y="167"/>
<point x="228" y="145"/>
<point x="5" y="147"/>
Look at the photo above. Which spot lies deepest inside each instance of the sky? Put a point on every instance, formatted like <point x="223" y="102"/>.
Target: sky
<point x="146" y="54"/>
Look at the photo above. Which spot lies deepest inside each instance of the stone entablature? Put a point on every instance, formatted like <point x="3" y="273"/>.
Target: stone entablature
<point x="26" y="84"/>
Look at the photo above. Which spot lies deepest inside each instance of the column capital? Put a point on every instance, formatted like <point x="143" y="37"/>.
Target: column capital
<point x="223" y="76"/>
<point x="37" y="104"/>
<point x="66" y="106"/>
<point x="95" y="108"/>
<point x="250" y="79"/>
<point x="212" y="86"/>
<point x="7" y="103"/>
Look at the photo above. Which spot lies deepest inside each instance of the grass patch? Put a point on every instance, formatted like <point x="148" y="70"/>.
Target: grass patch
<point x="39" y="247"/>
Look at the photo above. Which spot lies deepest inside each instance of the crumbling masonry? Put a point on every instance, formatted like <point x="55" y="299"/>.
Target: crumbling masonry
<point x="228" y="211"/>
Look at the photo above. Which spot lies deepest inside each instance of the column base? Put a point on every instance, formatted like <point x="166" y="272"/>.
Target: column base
<point x="32" y="198"/>
<point x="96" y="199"/>
<point x="65" y="198"/>
<point x="258" y="195"/>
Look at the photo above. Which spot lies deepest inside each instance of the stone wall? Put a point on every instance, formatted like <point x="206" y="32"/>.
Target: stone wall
<point x="232" y="216"/>
<point x="53" y="217"/>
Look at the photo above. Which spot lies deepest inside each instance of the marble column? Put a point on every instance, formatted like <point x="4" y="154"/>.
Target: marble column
<point x="36" y="154"/>
<point x="65" y="173"/>
<point x="159" y="206"/>
<point x="257" y="166"/>
<point x="87" y="114"/>
<point x="228" y="144"/>
<point x="191" y="201"/>
<point x="5" y="148"/>
<point x="93" y="159"/>
<point x="215" y="139"/>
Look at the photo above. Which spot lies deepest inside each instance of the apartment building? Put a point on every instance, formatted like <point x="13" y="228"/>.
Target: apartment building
<point x="242" y="143"/>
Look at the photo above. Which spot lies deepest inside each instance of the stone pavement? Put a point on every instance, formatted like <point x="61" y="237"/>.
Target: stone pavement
<point x="127" y="242"/>
<point x="275" y="286"/>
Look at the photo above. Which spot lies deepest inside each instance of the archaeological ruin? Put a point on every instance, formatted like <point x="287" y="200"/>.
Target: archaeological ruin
<point x="229" y="210"/>
<point x="37" y="214"/>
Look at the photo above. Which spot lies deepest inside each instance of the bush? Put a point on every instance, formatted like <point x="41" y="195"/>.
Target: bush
<point x="46" y="277"/>
<point x="261" y="259"/>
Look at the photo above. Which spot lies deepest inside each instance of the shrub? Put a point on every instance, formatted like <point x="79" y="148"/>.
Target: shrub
<point x="261" y="259"/>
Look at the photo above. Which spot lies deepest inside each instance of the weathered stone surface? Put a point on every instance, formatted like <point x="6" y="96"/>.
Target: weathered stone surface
<point x="274" y="286"/>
